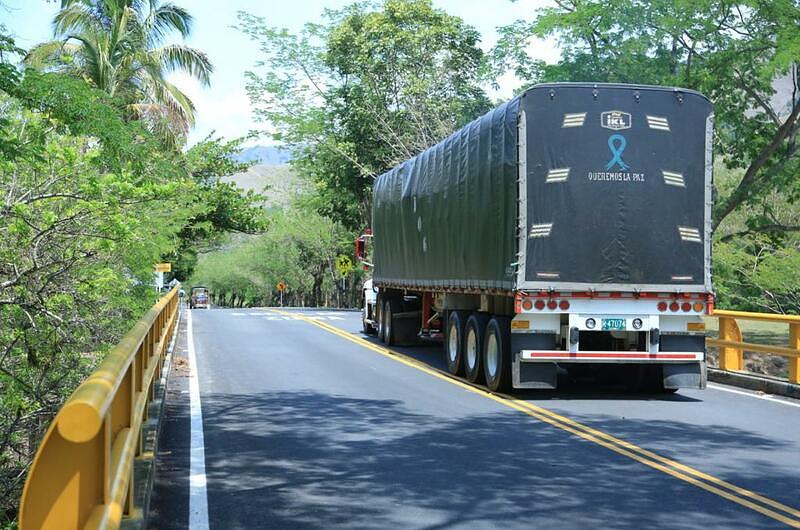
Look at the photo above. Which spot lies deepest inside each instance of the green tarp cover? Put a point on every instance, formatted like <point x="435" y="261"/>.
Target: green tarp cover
<point x="447" y="217"/>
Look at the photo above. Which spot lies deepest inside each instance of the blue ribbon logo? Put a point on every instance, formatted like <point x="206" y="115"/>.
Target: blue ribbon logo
<point x="617" y="144"/>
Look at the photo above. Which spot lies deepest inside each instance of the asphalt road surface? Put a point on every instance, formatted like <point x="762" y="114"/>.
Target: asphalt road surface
<point x="307" y="423"/>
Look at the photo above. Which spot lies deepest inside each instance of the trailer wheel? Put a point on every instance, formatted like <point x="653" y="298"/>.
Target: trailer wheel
<point x="454" y="342"/>
<point x="390" y="309"/>
<point x="474" y="336"/>
<point x="497" y="354"/>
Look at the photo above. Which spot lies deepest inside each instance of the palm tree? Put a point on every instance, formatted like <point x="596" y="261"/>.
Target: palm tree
<point x="119" y="47"/>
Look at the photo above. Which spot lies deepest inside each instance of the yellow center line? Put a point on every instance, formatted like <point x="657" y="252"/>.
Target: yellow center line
<point x="789" y="516"/>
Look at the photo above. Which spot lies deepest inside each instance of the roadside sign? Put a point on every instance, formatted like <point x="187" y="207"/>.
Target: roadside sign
<point x="163" y="267"/>
<point x="281" y="286"/>
<point x="345" y="265"/>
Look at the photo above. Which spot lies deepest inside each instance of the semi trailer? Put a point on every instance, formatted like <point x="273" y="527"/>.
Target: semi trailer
<point x="564" y="233"/>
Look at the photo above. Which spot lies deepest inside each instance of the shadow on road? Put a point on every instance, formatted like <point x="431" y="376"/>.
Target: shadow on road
<point x="306" y="459"/>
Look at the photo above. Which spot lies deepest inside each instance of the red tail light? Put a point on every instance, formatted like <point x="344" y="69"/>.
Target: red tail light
<point x="527" y="305"/>
<point x="699" y="307"/>
<point x="563" y="305"/>
<point x="662" y="306"/>
<point x="552" y="304"/>
<point x="539" y="304"/>
<point x="686" y="307"/>
<point x="674" y="306"/>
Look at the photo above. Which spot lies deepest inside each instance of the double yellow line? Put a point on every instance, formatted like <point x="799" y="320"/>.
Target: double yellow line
<point x="763" y="505"/>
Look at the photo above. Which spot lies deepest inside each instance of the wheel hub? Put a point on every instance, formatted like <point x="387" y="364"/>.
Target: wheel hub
<point x="472" y="349"/>
<point x="491" y="356"/>
<point x="452" y="345"/>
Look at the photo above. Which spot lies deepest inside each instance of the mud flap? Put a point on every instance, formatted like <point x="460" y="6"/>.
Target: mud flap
<point x="684" y="375"/>
<point x="406" y="328"/>
<point x="690" y="375"/>
<point x="534" y="375"/>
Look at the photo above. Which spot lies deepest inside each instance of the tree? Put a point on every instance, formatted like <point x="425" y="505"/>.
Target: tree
<point x="736" y="53"/>
<point x="118" y="46"/>
<point x="299" y="247"/>
<point x="219" y="207"/>
<point x="365" y="90"/>
<point x="89" y="202"/>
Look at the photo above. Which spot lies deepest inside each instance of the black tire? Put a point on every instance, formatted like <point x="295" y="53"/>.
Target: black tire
<point x="474" y="335"/>
<point x="390" y="308"/>
<point x="497" y="354"/>
<point x="454" y="342"/>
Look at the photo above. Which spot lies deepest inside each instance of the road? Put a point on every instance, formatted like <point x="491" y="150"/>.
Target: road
<point x="306" y="424"/>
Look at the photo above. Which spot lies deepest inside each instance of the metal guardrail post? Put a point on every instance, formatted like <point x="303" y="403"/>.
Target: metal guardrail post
<point x="730" y="358"/>
<point x="794" y="362"/>
<point x="82" y="475"/>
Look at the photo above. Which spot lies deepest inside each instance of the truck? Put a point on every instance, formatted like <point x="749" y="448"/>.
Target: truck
<point x="567" y="232"/>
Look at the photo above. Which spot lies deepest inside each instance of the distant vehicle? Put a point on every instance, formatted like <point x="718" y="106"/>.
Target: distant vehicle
<point x="566" y="231"/>
<point x="198" y="298"/>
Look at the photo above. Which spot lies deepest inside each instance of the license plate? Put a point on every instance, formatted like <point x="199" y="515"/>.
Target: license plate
<point x="613" y="324"/>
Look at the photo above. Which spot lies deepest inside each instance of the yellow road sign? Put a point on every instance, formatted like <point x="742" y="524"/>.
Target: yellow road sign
<point x="163" y="267"/>
<point x="345" y="265"/>
<point x="281" y="286"/>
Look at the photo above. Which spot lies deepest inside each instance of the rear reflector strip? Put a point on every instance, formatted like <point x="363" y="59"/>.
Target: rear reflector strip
<point x="547" y="274"/>
<point x="658" y="123"/>
<point x="690" y="234"/>
<point x="542" y="230"/>
<point x="557" y="175"/>
<point x="574" y="120"/>
<point x="673" y="179"/>
<point x="682" y="278"/>
<point x="621" y="355"/>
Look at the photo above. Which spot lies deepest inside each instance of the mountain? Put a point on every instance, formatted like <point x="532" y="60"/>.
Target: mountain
<point x="266" y="155"/>
<point x="278" y="183"/>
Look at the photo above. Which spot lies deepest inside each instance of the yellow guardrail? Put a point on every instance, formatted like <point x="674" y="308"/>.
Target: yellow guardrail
<point x="732" y="348"/>
<point x="81" y="477"/>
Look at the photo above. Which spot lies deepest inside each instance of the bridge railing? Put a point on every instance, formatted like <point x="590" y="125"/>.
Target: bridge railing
<point x="732" y="347"/>
<point x="82" y="475"/>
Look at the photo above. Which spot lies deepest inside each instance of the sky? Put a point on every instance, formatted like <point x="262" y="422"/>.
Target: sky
<point x="224" y="107"/>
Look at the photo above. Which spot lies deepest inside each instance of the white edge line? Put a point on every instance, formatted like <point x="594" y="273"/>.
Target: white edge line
<point x="198" y="497"/>
<point x="767" y="397"/>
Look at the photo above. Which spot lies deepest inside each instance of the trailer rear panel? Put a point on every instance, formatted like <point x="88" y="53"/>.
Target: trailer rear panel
<point x="617" y="193"/>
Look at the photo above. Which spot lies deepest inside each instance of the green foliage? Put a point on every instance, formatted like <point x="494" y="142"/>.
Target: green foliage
<point x="219" y="207"/>
<point x="91" y="200"/>
<point x="366" y="89"/>
<point x="212" y="157"/>
<point x="756" y="264"/>
<point x="119" y="47"/>
<point x="79" y="232"/>
<point x="300" y="248"/>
